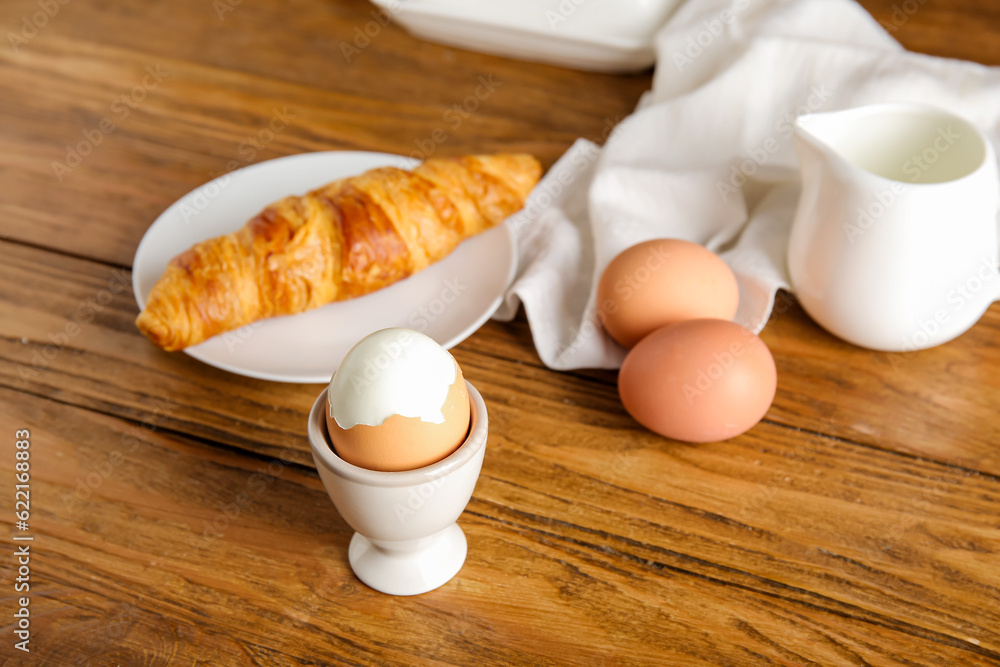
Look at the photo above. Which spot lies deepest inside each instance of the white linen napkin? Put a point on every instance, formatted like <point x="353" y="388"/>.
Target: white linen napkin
<point x="708" y="155"/>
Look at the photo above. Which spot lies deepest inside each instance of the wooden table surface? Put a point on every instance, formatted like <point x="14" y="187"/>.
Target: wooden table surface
<point x="176" y="513"/>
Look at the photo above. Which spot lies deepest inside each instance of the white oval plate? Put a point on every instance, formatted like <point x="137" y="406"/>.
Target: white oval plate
<point x="447" y="301"/>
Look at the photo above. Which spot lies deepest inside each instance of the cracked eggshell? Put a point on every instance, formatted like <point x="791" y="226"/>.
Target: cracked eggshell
<point x="398" y="402"/>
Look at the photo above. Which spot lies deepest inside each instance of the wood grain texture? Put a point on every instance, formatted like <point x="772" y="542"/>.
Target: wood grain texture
<point x="861" y="531"/>
<point x="638" y="559"/>
<point x="964" y="29"/>
<point x="201" y="120"/>
<point x="937" y="404"/>
<point x="177" y="513"/>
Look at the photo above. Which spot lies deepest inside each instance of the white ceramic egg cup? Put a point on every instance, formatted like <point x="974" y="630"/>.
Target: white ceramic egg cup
<point x="407" y="541"/>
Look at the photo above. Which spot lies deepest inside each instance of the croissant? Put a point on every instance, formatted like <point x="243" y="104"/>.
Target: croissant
<point x="345" y="239"/>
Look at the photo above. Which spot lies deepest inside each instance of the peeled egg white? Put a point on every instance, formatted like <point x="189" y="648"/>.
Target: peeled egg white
<point x="398" y="402"/>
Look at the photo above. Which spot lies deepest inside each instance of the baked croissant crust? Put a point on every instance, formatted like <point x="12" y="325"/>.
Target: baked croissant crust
<point x="345" y="239"/>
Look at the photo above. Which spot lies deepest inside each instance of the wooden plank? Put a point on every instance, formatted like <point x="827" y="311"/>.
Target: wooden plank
<point x="181" y="124"/>
<point x="196" y="122"/>
<point x="856" y="525"/>
<point x="938" y="404"/>
<point x="72" y="624"/>
<point x="934" y="403"/>
<point x="69" y="334"/>
<point x="245" y="40"/>
<point x="964" y="29"/>
<point x="655" y="566"/>
<point x="308" y="51"/>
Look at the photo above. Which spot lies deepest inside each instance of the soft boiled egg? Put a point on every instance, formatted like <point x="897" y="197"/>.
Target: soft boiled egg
<point x="398" y="401"/>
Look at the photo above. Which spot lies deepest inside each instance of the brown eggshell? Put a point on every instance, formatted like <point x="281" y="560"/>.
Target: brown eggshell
<point x="405" y="443"/>
<point x="663" y="281"/>
<point x="698" y="381"/>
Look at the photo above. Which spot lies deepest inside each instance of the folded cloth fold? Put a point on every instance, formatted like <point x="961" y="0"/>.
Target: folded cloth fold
<point x="708" y="156"/>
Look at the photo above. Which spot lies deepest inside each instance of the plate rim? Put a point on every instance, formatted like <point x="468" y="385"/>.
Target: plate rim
<point x="404" y="161"/>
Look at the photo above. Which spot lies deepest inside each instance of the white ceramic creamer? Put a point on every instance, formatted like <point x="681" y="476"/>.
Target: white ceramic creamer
<point x="894" y="244"/>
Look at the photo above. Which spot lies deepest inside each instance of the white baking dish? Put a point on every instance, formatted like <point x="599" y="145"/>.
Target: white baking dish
<point x="598" y="35"/>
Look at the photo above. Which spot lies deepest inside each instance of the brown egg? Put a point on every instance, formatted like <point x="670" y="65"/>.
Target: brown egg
<point x="405" y="443"/>
<point x="699" y="380"/>
<point x="663" y="281"/>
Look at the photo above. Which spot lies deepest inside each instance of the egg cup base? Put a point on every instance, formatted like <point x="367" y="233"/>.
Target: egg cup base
<point x="406" y="541"/>
<point x="412" y="567"/>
